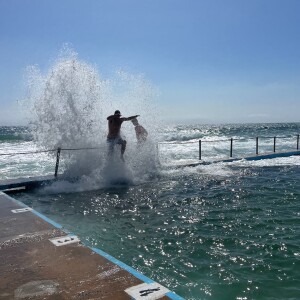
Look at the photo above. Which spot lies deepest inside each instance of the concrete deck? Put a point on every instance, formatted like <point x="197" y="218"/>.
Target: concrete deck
<point x="32" y="267"/>
<point x="29" y="182"/>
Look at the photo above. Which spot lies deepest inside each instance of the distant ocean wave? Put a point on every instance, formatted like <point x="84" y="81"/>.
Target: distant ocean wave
<point x="193" y="133"/>
<point x="14" y="134"/>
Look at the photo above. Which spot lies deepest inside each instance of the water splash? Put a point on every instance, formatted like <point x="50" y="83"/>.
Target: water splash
<point x="69" y="105"/>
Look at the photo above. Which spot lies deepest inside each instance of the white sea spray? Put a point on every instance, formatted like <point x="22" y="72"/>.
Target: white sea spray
<point x="68" y="107"/>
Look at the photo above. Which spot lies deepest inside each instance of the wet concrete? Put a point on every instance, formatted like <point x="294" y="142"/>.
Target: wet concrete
<point x="27" y="183"/>
<point x="31" y="267"/>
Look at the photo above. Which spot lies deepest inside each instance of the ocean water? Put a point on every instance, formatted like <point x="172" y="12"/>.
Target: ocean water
<point x="215" y="231"/>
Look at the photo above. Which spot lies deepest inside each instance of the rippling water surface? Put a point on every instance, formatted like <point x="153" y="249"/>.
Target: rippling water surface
<point x="219" y="231"/>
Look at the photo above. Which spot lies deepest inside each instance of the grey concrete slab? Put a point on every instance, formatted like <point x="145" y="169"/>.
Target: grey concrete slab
<point x="30" y="182"/>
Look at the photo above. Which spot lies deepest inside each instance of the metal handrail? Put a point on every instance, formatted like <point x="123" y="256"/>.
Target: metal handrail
<point x="29" y="152"/>
<point x="256" y="138"/>
<point x="58" y="151"/>
<point x="231" y="143"/>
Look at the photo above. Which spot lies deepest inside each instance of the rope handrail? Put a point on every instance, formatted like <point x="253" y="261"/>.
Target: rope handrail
<point x="28" y="152"/>
<point x="75" y="149"/>
<point x="49" y="150"/>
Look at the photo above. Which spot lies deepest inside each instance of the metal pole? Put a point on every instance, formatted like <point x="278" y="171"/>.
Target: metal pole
<point x="57" y="161"/>
<point x="297" y="141"/>
<point x="257" y="145"/>
<point x="231" y="142"/>
<point x="274" y="148"/>
<point x="200" y="149"/>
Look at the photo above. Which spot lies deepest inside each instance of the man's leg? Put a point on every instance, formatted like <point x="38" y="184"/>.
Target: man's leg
<point x="123" y="148"/>
<point x="110" y="144"/>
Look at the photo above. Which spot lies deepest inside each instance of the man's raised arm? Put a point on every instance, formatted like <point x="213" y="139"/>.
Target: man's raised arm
<point x="130" y="118"/>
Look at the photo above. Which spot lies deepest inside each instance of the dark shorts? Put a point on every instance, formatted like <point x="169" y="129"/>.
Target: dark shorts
<point x="114" y="141"/>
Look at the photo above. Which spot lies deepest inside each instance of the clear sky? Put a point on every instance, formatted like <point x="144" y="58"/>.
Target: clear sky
<point x="212" y="60"/>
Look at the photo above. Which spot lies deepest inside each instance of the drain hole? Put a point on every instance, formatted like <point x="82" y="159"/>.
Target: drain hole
<point x="65" y="240"/>
<point x="20" y="210"/>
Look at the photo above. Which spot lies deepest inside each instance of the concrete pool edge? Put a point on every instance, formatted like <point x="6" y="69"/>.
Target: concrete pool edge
<point x="132" y="271"/>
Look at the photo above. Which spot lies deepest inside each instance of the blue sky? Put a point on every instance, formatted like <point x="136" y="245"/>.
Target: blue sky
<point x="213" y="61"/>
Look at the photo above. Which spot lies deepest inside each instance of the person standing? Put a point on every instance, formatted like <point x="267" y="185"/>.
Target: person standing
<point x="113" y="137"/>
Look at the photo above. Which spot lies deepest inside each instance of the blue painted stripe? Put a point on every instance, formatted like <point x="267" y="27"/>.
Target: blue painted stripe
<point x="47" y="219"/>
<point x="132" y="271"/>
<point x="13" y="199"/>
<point x="33" y="211"/>
<point x="174" y="296"/>
<point x="123" y="266"/>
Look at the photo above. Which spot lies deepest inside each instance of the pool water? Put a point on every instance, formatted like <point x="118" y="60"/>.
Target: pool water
<point x="224" y="231"/>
